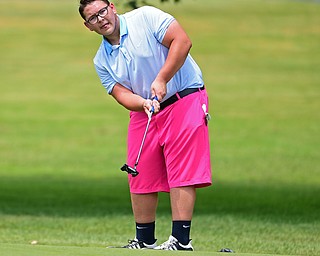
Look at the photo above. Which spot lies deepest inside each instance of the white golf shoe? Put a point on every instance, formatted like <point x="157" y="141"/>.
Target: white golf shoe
<point x="172" y="244"/>
<point x="135" y="244"/>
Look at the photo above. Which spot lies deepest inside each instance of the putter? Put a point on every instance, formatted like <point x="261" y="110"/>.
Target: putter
<point x="133" y="171"/>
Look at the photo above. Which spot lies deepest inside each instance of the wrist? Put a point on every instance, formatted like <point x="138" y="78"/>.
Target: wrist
<point x="161" y="79"/>
<point x="144" y="105"/>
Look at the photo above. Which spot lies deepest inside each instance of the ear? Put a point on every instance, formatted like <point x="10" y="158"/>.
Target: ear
<point x="88" y="25"/>
<point x="113" y="8"/>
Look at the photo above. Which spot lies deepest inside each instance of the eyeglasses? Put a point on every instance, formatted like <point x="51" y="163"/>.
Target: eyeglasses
<point x="102" y="13"/>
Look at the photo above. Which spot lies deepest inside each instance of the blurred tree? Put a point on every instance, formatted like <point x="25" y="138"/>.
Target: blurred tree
<point x="134" y="4"/>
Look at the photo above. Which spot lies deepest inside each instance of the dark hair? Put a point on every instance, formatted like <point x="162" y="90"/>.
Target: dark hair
<point x="84" y="3"/>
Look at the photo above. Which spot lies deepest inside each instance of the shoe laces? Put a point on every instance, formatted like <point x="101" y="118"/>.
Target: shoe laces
<point x="169" y="244"/>
<point x="133" y="244"/>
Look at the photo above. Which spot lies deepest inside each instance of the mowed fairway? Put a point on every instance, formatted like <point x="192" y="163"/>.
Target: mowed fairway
<point x="63" y="139"/>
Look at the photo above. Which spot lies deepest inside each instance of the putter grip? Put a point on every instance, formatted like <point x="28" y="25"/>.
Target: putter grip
<point x="153" y="98"/>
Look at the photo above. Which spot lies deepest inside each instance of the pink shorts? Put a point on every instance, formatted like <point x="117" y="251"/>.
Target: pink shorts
<point x="176" y="152"/>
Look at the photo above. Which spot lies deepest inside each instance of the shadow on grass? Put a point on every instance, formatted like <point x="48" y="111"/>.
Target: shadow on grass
<point x="90" y="197"/>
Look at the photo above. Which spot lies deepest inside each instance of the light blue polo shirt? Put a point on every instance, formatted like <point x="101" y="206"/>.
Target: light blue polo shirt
<point x="136" y="62"/>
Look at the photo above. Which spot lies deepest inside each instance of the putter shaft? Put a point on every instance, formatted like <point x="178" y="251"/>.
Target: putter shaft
<point x="125" y="167"/>
<point x="143" y="139"/>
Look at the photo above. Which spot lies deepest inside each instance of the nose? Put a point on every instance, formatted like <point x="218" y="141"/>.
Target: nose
<point x="99" y="18"/>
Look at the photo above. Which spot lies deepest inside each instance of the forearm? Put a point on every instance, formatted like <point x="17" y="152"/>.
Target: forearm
<point x="134" y="102"/>
<point x="179" y="44"/>
<point x="127" y="99"/>
<point x="178" y="52"/>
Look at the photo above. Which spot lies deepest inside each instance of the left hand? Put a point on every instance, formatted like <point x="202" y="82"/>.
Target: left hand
<point x="159" y="89"/>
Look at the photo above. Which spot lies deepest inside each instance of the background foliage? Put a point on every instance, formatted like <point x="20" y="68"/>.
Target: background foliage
<point x="136" y="3"/>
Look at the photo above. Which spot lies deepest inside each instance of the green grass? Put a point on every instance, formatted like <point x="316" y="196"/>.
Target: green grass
<point x="26" y="250"/>
<point x="63" y="139"/>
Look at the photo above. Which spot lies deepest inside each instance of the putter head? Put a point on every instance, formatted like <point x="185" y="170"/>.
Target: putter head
<point x="226" y="250"/>
<point x="129" y="170"/>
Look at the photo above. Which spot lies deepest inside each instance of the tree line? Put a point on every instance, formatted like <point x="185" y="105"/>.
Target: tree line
<point x="134" y="4"/>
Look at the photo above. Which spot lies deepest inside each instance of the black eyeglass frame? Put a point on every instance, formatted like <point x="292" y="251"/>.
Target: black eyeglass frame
<point x="94" y="18"/>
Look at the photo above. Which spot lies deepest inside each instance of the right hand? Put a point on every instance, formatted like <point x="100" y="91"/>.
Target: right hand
<point x="148" y="104"/>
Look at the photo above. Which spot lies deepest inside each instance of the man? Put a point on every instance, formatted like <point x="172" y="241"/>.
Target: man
<point x="144" y="63"/>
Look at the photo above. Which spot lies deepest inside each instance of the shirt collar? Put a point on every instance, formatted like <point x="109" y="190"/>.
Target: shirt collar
<point x="123" y="32"/>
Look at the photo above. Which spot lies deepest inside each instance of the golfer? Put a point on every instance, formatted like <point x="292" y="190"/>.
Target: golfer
<point x="144" y="63"/>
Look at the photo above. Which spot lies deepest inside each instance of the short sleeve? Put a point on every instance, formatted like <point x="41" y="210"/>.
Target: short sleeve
<point x="105" y="77"/>
<point x="157" y="20"/>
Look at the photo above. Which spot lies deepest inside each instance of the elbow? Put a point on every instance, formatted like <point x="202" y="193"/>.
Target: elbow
<point x="188" y="44"/>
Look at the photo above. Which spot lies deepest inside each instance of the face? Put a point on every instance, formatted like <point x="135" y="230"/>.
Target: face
<point x="107" y="25"/>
